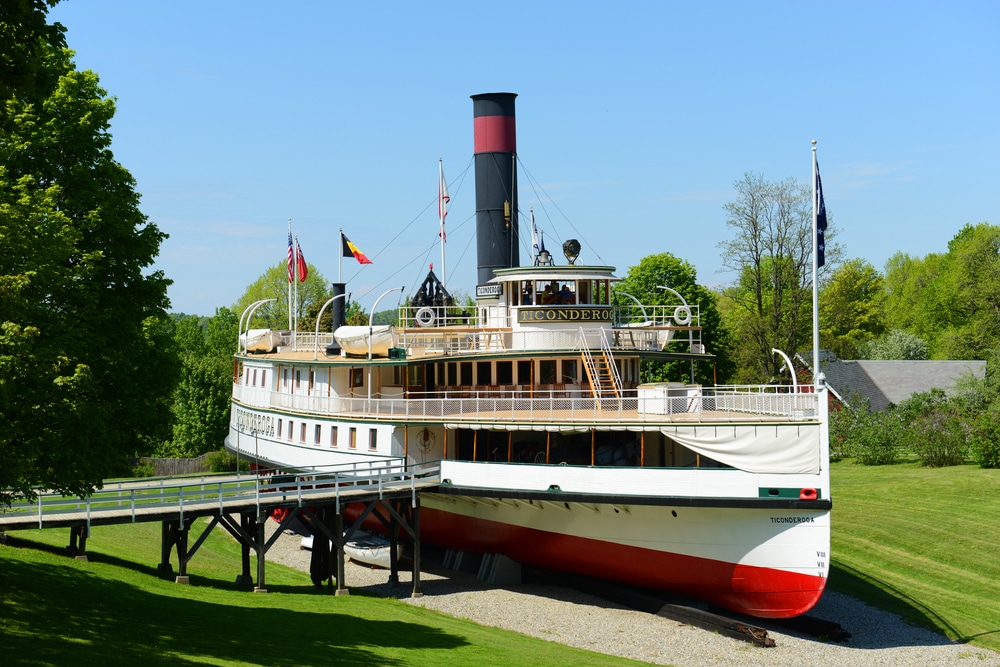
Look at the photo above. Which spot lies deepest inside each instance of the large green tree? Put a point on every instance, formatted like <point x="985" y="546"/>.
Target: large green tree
<point x="851" y="308"/>
<point x="86" y="359"/>
<point x="770" y="305"/>
<point x="950" y="299"/>
<point x="643" y="282"/>
<point x="200" y="402"/>
<point x="273" y="284"/>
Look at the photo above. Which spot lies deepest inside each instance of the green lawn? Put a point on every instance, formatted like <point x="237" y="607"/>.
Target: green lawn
<point x="922" y="542"/>
<point x="114" y="610"/>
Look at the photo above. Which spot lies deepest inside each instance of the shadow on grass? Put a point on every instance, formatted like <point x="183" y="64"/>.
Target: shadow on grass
<point x="51" y="611"/>
<point x="883" y="595"/>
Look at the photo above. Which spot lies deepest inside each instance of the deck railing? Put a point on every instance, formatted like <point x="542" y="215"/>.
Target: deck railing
<point x="709" y="404"/>
<point x="130" y="500"/>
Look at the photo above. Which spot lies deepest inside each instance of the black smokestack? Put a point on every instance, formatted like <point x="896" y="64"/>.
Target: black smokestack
<point x="497" y="237"/>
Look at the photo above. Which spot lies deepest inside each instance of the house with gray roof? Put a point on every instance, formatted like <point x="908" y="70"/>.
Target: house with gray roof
<point x="886" y="383"/>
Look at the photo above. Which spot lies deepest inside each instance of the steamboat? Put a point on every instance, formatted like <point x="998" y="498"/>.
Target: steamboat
<point x="551" y="449"/>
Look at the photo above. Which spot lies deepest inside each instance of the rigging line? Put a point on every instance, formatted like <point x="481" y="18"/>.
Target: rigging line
<point x="432" y="202"/>
<point x="534" y="182"/>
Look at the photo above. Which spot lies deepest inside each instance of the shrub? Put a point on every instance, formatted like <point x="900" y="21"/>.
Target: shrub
<point x="984" y="440"/>
<point x="223" y="461"/>
<point x="872" y="438"/>
<point x="143" y="468"/>
<point x="939" y="437"/>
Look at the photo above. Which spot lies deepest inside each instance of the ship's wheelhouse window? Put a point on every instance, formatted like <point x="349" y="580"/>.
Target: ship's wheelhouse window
<point x="352" y="440"/>
<point x="546" y="292"/>
<point x="291" y="427"/>
<point x="505" y="372"/>
<point x="263" y="378"/>
<point x="298" y="379"/>
<point x="569" y="375"/>
<point x="333" y="435"/>
<point x="312" y="379"/>
<point x="527" y="290"/>
<point x="237" y="371"/>
<point x="484" y="372"/>
<point x="302" y="432"/>
<point x="547" y="371"/>
<point x="524" y="372"/>
<point x="318" y="434"/>
<point x="372" y="439"/>
<point x="567" y="292"/>
<point x="254" y="383"/>
<point x="279" y="428"/>
<point x="465" y="373"/>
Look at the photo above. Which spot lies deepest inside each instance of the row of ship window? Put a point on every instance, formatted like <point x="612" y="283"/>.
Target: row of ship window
<point x="547" y="371"/>
<point x="287" y="430"/>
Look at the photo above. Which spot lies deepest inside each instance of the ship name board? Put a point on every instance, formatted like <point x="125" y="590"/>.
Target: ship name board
<point x="564" y="314"/>
<point x="253" y="422"/>
<point x="489" y="290"/>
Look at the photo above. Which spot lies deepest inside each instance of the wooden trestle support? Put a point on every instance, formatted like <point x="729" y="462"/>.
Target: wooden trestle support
<point x="325" y="522"/>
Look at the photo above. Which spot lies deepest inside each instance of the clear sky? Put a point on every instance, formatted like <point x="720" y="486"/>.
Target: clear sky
<point x="634" y="120"/>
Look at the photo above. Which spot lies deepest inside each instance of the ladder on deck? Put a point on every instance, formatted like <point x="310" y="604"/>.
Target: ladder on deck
<point x="602" y="372"/>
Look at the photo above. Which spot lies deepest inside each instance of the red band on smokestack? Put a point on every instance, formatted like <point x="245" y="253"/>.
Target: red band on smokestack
<point x="494" y="134"/>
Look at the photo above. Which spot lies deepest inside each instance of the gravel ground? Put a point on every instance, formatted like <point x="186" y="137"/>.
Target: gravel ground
<point x="573" y="618"/>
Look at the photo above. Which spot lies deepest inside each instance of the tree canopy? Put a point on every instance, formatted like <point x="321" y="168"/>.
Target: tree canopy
<point x="643" y="283"/>
<point x="950" y="299"/>
<point x="851" y="308"/>
<point x="769" y="307"/>
<point x="273" y="284"/>
<point x="86" y="360"/>
<point x="200" y="402"/>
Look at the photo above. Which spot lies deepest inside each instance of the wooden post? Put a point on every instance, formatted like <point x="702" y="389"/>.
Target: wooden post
<point x="416" y="548"/>
<point x="259" y="547"/>
<point x="338" y="522"/>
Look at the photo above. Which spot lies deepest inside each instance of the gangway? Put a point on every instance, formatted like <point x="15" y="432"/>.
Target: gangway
<point x="178" y="501"/>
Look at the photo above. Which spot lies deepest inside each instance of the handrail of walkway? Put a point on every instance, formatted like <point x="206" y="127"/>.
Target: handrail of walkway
<point x="130" y="499"/>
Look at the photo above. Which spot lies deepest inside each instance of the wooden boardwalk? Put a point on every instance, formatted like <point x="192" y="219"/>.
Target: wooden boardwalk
<point x="241" y="504"/>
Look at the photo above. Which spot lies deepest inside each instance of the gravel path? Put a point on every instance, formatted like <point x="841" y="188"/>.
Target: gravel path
<point x="573" y="618"/>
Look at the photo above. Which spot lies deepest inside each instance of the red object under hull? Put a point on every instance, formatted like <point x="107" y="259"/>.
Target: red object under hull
<point x="756" y="591"/>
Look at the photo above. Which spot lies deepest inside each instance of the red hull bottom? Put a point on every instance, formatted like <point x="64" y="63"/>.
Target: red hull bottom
<point x="756" y="591"/>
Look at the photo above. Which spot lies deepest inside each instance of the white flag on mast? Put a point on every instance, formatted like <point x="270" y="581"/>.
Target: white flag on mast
<point x="443" y="199"/>
<point x="534" y="233"/>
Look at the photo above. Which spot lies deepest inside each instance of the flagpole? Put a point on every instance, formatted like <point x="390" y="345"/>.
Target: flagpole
<point x="815" y="272"/>
<point x="443" y="200"/>
<point x="289" y="279"/>
<point x="297" y="276"/>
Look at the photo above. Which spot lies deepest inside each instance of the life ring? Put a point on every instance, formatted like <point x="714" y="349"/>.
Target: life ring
<point x="682" y="315"/>
<point x="425" y="440"/>
<point x="424" y="317"/>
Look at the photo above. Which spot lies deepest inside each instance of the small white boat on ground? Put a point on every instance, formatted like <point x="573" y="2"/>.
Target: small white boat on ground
<point x="364" y="548"/>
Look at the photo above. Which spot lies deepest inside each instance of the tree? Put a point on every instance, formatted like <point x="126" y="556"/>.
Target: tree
<point x="952" y="299"/>
<point x="851" y="308"/>
<point x="897" y="345"/>
<point x="643" y="281"/>
<point x="771" y="251"/>
<point x="200" y="402"/>
<point x="273" y="284"/>
<point x="86" y="356"/>
<point x="971" y="282"/>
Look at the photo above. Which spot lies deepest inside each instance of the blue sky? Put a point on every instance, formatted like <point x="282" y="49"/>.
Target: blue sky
<point x="634" y="120"/>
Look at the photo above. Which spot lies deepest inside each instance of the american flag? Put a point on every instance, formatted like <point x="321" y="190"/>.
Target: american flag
<point x="291" y="259"/>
